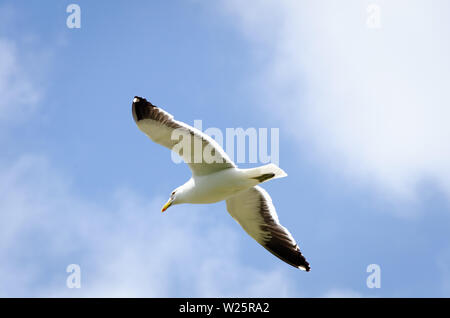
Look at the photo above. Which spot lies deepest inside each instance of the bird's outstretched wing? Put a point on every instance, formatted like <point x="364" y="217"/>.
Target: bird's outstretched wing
<point x="254" y="211"/>
<point x="202" y="153"/>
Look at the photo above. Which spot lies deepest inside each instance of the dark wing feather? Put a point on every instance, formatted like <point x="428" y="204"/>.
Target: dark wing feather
<point x="254" y="211"/>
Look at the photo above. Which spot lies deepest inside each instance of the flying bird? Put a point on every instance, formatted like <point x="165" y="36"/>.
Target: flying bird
<point x="215" y="178"/>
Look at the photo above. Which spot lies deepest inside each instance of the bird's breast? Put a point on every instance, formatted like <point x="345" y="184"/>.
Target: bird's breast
<point x="219" y="186"/>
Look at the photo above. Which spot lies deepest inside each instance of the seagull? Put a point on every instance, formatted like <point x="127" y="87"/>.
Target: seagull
<point x="215" y="178"/>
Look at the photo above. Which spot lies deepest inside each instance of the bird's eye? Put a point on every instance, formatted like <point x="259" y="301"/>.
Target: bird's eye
<point x="173" y="193"/>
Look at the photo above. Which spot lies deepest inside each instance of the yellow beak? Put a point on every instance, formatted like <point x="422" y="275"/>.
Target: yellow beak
<point x="169" y="203"/>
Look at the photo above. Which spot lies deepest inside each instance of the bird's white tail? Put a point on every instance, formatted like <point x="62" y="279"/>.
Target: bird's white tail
<point x="266" y="172"/>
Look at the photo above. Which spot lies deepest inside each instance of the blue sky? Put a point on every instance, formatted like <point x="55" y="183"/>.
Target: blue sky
<point x="363" y="134"/>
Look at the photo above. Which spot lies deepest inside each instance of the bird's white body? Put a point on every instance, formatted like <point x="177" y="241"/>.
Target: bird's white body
<point x="215" y="187"/>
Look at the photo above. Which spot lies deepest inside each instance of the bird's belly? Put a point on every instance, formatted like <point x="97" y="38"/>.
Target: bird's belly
<point x="219" y="187"/>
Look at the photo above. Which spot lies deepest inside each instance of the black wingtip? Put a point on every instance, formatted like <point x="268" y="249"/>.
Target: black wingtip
<point x="305" y="267"/>
<point x="141" y="108"/>
<point x="302" y="262"/>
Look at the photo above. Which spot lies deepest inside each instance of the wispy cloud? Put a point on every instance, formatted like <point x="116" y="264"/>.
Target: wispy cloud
<point x="372" y="103"/>
<point x="124" y="245"/>
<point x="24" y="59"/>
<point x="342" y="293"/>
<point x="18" y="94"/>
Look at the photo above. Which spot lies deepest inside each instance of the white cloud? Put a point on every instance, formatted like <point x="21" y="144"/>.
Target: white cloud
<point x="342" y="293"/>
<point x="124" y="245"/>
<point x="372" y="103"/>
<point x="18" y="93"/>
<point x="23" y="62"/>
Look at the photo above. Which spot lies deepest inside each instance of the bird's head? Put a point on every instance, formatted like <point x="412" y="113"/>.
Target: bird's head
<point x="172" y="200"/>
